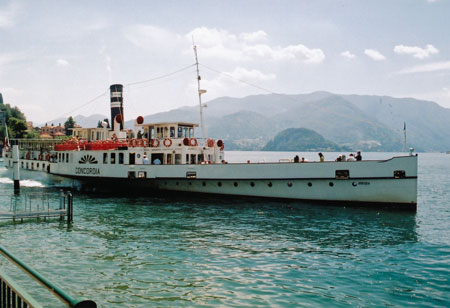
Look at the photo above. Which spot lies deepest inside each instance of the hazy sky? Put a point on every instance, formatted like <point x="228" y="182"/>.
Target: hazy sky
<point x="56" y="56"/>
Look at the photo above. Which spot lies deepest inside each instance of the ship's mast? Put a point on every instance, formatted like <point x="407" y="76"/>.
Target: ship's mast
<point x="200" y="92"/>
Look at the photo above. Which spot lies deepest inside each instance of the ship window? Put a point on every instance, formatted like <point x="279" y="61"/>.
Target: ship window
<point x="132" y="158"/>
<point x="180" y="132"/>
<point x="309" y="184"/>
<point x="289" y="184"/>
<point x="32" y="166"/>
<point x="331" y="184"/>
<point x="177" y="159"/>
<point x="342" y="174"/>
<point x="399" y="174"/>
<point x="270" y="184"/>
<point x="191" y="132"/>
<point x="120" y="158"/>
<point x="172" y="132"/>
<point x="67" y="157"/>
<point x="22" y="165"/>
<point x="219" y="184"/>
<point x="200" y="158"/>
<point x="27" y="166"/>
<point x="113" y="158"/>
<point x="185" y="132"/>
<point x="235" y="184"/>
<point x="169" y="159"/>
<point x="187" y="158"/>
<point x="204" y="183"/>
<point x="142" y="174"/>
<point x="252" y="184"/>
<point x="191" y="175"/>
<point x="193" y="162"/>
<point x="37" y="165"/>
<point x="43" y="166"/>
<point x="131" y="174"/>
<point x="105" y="158"/>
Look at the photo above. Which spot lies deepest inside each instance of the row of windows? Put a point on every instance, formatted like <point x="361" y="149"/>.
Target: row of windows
<point x="31" y="165"/>
<point x="252" y="184"/>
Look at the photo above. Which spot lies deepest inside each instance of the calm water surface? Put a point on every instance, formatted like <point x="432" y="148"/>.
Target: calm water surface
<point x="126" y="251"/>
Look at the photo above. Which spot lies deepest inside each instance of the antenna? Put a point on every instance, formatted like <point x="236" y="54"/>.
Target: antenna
<point x="200" y="91"/>
<point x="404" y="137"/>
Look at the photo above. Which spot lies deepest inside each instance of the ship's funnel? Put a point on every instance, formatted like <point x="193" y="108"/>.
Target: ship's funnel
<point x="116" y="91"/>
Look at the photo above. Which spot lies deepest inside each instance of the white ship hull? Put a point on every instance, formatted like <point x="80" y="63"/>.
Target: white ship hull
<point x="378" y="182"/>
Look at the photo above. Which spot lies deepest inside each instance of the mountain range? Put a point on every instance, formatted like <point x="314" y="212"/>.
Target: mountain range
<point x="369" y="123"/>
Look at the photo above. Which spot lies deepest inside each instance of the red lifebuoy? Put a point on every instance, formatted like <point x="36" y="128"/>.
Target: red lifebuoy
<point x="167" y="142"/>
<point x="47" y="158"/>
<point x="155" y="143"/>
<point x="210" y="142"/>
<point x="140" y="142"/>
<point x="133" y="142"/>
<point x="193" y="142"/>
<point x="186" y="141"/>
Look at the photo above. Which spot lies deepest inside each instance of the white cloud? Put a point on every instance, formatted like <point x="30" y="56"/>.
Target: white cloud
<point x="374" y="54"/>
<point x="8" y="15"/>
<point x="236" y="83"/>
<point x="416" y="52"/>
<point x="347" y="54"/>
<point x="243" y="47"/>
<point x="62" y="62"/>
<point x="254" y="36"/>
<point x="432" y="1"/>
<point x="250" y="75"/>
<point x="426" y="68"/>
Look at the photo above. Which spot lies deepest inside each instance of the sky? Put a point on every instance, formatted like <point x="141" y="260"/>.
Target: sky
<point x="58" y="58"/>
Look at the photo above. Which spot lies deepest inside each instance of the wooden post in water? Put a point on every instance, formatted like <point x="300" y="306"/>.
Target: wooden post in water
<point x="69" y="207"/>
<point x="16" y="170"/>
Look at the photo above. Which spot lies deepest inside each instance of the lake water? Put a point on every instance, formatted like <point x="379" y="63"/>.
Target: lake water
<point x="127" y="251"/>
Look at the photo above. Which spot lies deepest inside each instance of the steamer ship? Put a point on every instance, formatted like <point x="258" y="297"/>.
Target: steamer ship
<point x="167" y="157"/>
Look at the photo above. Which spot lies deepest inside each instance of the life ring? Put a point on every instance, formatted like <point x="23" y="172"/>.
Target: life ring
<point x="155" y="143"/>
<point x="210" y="142"/>
<point x="193" y="142"/>
<point x="47" y="157"/>
<point x="114" y="138"/>
<point x="145" y="143"/>
<point x="186" y="141"/>
<point x="27" y="156"/>
<point x="139" y="142"/>
<point x="167" y="142"/>
<point x="133" y="142"/>
<point x="41" y="156"/>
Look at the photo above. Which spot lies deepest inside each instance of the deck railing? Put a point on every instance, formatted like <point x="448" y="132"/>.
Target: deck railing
<point x="12" y="296"/>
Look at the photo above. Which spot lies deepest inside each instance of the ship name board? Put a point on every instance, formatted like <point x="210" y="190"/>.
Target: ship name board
<point x="87" y="171"/>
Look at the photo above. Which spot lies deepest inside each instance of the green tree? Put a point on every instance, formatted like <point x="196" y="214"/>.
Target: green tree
<point x="17" y="128"/>
<point x="33" y="134"/>
<point x="70" y="123"/>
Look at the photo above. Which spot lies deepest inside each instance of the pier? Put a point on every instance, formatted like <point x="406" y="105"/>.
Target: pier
<point x="37" y="206"/>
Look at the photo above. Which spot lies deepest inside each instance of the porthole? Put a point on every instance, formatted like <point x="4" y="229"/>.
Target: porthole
<point x="270" y="184"/>
<point x="235" y="184"/>
<point x="309" y="184"/>
<point x="331" y="184"/>
<point x="190" y="183"/>
<point x="204" y="183"/>
<point x="177" y="183"/>
<point x="289" y="184"/>
<point x="219" y="184"/>
<point x="252" y="184"/>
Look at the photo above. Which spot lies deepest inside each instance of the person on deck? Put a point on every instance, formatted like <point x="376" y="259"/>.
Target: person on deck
<point x="296" y="159"/>
<point x="351" y="157"/>
<point x="321" y="157"/>
<point x="358" y="156"/>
